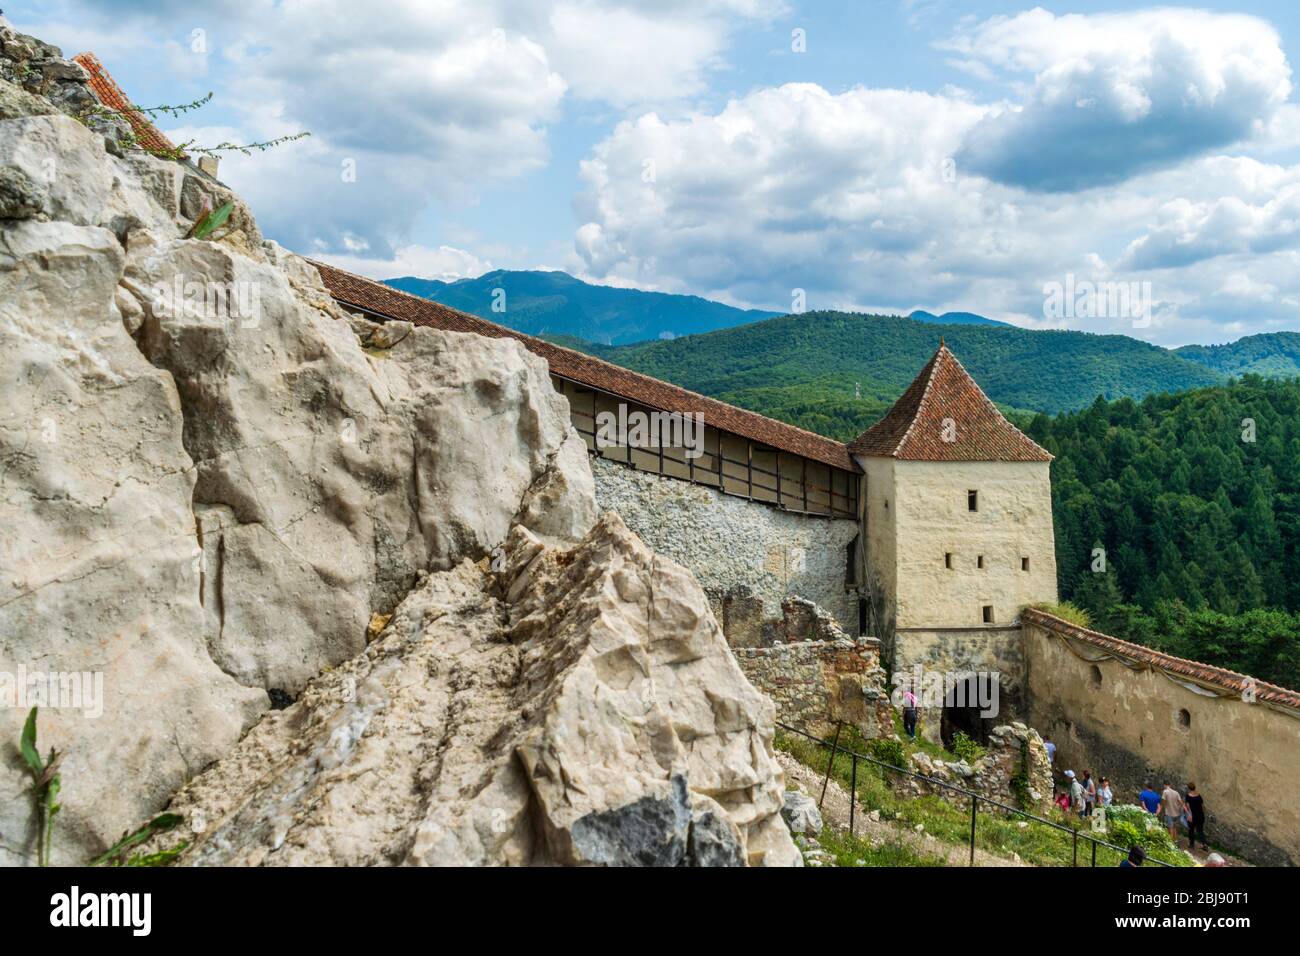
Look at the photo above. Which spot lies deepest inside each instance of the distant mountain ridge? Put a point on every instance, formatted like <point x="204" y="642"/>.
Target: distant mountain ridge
<point x="557" y="304"/>
<point x="1270" y="354"/>
<point x="954" y="318"/>
<point x="835" y="372"/>
<point x="832" y="371"/>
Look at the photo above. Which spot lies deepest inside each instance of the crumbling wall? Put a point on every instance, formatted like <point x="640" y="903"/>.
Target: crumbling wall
<point x="816" y="683"/>
<point x="1014" y="770"/>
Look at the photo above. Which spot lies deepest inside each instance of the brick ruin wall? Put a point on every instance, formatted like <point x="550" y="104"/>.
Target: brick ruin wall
<point x="747" y="556"/>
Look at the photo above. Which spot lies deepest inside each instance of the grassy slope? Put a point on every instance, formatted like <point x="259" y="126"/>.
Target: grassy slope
<point x="996" y="832"/>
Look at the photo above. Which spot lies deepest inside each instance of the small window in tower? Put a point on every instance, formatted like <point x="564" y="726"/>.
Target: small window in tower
<point x="1024" y="564"/>
<point x="972" y="501"/>
<point x="947" y="560"/>
<point x="988" y="613"/>
<point x="979" y="561"/>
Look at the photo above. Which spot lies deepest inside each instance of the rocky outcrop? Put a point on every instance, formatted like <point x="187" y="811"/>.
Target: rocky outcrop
<point x="1013" y="769"/>
<point x="215" y="486"/>
<point x="576" y="707"/>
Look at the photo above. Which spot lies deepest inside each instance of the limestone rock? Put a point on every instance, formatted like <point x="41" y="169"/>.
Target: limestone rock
<point x="209" y="488"/>
<point x="580" y="707"/>
<point x="98" y="559"/>
<point x="801" y="814"/>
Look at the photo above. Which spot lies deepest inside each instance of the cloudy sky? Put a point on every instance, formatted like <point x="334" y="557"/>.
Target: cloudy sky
<point x="880" y="156"/>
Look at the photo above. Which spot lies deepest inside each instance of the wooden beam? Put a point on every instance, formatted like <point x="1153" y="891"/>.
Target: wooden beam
<point x="779" y="503"/>
<point x="749" y="466"/>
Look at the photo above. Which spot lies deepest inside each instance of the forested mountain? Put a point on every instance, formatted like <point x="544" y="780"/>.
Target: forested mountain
<point x="953" y="318"/>
<point x="1192" y="504"/>
<point x="1273" y="354"/>
<point x="819" y="365"/>
<point x="557" y="304"/>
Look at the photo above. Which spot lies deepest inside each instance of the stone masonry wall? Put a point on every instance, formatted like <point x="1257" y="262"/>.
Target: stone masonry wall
<point x="747" y="556"/>
<point x="815" y="683"/>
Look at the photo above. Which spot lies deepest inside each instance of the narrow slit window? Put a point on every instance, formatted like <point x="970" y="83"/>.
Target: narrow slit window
<point x="947" y="560"/>
<point x="979" y="561"/>
<point x="972" y="501"/>
<point x="988" y="613"/>
<point x="1024" y="564"/>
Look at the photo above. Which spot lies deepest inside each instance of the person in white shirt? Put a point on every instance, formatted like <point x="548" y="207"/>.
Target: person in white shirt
<point x="1171" y="809"/>
<point x="1104" y="794"/>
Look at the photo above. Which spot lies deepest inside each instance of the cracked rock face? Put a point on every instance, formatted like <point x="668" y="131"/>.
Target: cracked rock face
<point x="208" y="486"/>
<point x="214" y="484"/>
<point x="579" y="707"/>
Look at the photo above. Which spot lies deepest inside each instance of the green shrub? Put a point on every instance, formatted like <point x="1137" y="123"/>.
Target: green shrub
<point x="1067" y="612"/>
<point x="888" y="751"/>
<point x="964" y="748"/>
<point x="1122" y="833"/>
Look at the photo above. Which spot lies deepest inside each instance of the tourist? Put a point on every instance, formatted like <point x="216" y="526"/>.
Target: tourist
<point x="1089" y="793"/>
<point x="1171" y="810"/>
<point x="1077" y="800"/>
<point x="1051" y="752"/>
<point x="1149" y="798"/>
<point x="1105" y="795"/>
<point x="1195" y="816"/>
<point x="1136" y="857"/>
<point x="909" y="714"/>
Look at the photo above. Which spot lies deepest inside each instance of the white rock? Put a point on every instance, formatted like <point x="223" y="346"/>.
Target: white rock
<point x="606" y="722"/>
<point x="801" y="814"/>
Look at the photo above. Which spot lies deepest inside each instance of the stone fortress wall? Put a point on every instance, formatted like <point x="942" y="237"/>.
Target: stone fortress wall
<point x="1138" y="716"/>
<point x="747" y="556"/>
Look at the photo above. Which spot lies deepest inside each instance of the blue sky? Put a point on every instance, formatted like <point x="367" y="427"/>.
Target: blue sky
<point x="924" y="154"/>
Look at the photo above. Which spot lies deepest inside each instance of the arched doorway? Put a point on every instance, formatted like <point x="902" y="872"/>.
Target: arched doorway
<point x="962" y="708"/>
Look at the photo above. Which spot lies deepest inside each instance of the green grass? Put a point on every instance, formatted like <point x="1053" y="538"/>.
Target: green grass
<point x="995" y="832"/>
<point x="853" y="851"/>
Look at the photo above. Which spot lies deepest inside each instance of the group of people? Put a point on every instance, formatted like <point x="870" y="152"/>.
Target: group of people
<point x="1085" y="794"/>
<point x="1185" y="810"/>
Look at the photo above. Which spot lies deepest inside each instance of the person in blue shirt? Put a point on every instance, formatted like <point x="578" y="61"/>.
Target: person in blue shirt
<point x="1149" y="798"/>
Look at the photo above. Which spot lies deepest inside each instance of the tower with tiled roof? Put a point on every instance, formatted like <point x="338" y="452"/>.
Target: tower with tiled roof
<point x="957" y="518"/>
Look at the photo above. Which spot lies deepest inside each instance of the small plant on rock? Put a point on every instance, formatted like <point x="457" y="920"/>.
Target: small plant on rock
<point x="45" y="786"/>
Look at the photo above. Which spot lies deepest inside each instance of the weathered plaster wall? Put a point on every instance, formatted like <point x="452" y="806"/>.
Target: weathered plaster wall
<point x="747" y="556"/>
<point x="877" y="508"/>
<point x="815" y="683"/>
<point x="1013" y="523"/>
<point x="1128" y="724"/>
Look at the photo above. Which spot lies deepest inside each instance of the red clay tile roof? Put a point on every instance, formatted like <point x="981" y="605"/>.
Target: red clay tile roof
<point x="111" y="96"/>
<point x="355" y="290"/>
<point x="945" y="416"/>
<point x="1195" y="671"/>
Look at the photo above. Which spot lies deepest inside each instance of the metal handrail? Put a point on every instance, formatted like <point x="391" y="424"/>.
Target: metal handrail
<point x="976" y="798"/>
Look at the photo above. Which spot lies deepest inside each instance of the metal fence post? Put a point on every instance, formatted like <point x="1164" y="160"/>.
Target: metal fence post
<point x="974" y="803"/>
<point x="1075" y="861"/>
<point x="853" y="792"/>
<point x="830" y="764"/>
